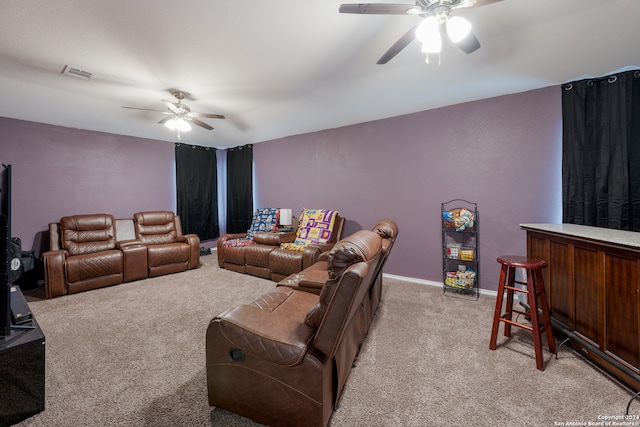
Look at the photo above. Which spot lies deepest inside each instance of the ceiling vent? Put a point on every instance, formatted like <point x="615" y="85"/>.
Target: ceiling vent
<point x="77" y="72"/>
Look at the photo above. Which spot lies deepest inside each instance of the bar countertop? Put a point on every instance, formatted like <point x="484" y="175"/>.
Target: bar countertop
<point x="625" y="238"/>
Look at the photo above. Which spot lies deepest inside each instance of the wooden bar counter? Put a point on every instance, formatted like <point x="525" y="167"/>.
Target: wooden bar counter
<point x="593" y="290"/>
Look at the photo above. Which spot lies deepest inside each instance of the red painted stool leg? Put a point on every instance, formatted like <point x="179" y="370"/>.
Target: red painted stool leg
<point x="511" y="277"/>
<point x="498" y="310"/>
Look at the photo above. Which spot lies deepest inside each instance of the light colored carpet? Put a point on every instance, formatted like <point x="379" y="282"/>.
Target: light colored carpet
<point x="134" y="355"/>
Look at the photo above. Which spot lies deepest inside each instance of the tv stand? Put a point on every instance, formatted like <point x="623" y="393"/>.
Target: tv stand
<point x="21" y="327"/>
<point x="22" y="373"/>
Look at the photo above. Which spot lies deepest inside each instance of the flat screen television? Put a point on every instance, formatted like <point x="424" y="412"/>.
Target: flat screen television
<point x="5" y="250"/>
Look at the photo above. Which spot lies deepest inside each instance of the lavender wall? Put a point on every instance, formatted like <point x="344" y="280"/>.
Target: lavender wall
<point x="60" y="171"/>
<point x="503" y="153"/>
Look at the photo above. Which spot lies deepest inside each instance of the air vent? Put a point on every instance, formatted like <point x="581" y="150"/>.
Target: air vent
<point x="77" y="72"/>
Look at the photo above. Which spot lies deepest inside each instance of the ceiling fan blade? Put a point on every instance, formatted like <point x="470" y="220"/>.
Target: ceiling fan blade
<point x="199" y="123"/>
<point x="480" y="3"/>
<point x="377" y="8"/>
<point x="171" y="106"/>
<point x="208" y="115"/>
<point x="398" y="46"/>
<point x="461" y="4"/>
<point x="166" y="119"/>
<point x="469" y="44"/>
<point x="143" y="109"/>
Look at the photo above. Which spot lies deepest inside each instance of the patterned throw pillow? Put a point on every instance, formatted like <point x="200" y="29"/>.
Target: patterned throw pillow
<point x="315" y="227"/>
<point x="264" y="219"/>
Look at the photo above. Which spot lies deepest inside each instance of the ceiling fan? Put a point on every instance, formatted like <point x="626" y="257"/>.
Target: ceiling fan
<point x="180" y="115"/>
<point x="435" y="14"/>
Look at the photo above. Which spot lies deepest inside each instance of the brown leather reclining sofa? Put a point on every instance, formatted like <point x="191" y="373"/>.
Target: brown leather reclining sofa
<point x="266" y="259"/>
<point x="93" y="251"/>
<point x="284" y="359"/>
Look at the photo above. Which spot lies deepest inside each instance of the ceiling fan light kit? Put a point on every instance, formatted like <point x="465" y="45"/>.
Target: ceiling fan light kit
<point x="435" y="14"/>
<point x="178" y="123"/>
<point x="428" y="33"/>
<point x="180" y="115"/>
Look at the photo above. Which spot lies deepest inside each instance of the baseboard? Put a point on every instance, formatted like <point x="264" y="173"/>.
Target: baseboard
<point x="431" y="283"/>
<point x="415" y="280"/>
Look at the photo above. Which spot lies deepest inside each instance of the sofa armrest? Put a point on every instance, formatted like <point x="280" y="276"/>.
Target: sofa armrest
<point x="325" y="247"/>
<point x="54" y="276"/>
<point x="324" y="256"/>
<point x="274" y="238"/>
<point x="134" y="258"/>
<point x="310" y="256"/>
<point x="123" y="244"/>
<point x="194" y="248"/>
<point x="313" y="253"/>
<point x="272" y="327"/>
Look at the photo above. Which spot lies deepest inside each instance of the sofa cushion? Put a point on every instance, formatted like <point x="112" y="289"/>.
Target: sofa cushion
<point x="97" y="264"/>
<point x="155" y="228"/>
<point x="315" y="227"/>
<point x="85" y="234"/>
<point x="168" y="253"/>
<point x="363" y="245"/>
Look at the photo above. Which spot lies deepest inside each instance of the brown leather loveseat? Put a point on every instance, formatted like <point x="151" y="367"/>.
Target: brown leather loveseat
<point x="284" y="359"/>
<point x="95" y="250"/>
<point x="265" y="258"/>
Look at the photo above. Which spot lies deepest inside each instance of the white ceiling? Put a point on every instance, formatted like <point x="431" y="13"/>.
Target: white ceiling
<point x="284" y="67"/>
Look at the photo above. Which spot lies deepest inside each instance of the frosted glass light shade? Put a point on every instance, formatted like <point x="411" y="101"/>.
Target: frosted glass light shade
<point x="458" y="28"/>
<point x="170" y="124"/>
<point x="433" y="44"/>
<point x="427" y="28"/>
<point x="178" y="124"/>
<point x="428" y="33"/>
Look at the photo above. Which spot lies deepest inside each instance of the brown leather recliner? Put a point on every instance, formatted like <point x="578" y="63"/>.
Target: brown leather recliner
<point x="231" y="257"/>
<point x="313" y="278"/>
<point x="262" y="236"/>
<point x="283" y="262"/>
<point x="256" y="256"/>
<point x="168" y="250"/>
<point x="283" y="360"/>
<point x="82" y="255"/>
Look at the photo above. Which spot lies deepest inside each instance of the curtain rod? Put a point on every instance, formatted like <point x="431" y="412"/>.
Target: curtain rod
<point x="193" y="146"/>
<point x="611" y="79"/>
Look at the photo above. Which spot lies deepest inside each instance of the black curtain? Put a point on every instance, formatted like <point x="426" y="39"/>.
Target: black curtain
<point x="239" y="188"/>
<point x="601" y="151"/>
<point x="197" y="190"/>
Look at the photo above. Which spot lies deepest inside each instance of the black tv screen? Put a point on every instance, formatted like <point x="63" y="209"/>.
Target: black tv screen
<point x="5" y="250"/>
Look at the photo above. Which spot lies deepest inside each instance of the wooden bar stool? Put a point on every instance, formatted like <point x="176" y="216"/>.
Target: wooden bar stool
<point x="536" y="298"/>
